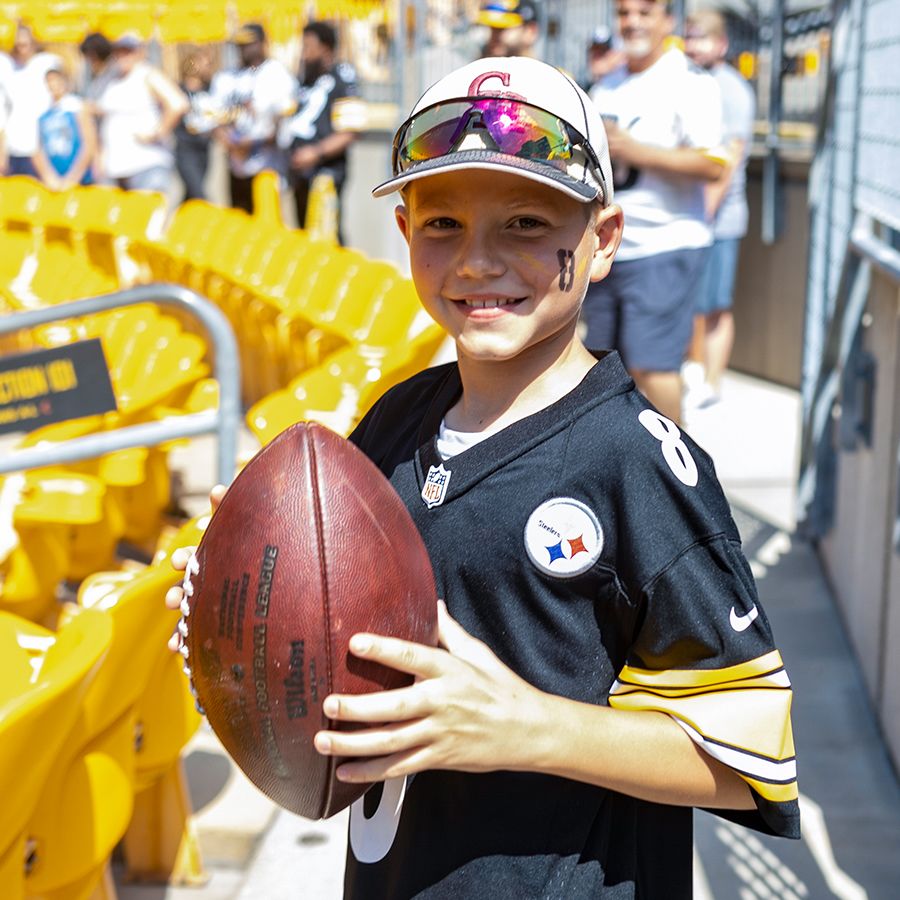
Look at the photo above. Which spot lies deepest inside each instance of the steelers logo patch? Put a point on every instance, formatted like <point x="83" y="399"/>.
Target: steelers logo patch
<point x="563" y="537"/>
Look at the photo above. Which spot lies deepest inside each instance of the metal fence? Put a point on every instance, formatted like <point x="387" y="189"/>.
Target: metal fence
<point x="402" y="48"/>
<point x="855" y="224"/>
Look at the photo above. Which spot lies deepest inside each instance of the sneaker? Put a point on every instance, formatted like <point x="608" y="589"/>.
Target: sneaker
<point x="701" y="396"/>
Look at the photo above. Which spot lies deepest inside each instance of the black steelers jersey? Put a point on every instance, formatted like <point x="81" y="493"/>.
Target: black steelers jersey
<point x="591" y="547"/>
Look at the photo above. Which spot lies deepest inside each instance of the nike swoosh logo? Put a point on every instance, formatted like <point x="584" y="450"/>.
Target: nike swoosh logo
<point x="742" y="623"/>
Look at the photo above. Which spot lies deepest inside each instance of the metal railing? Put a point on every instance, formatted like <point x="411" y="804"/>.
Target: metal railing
<point x="224" y="421"/>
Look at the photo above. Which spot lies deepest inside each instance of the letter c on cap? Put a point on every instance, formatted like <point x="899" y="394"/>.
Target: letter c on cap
<point x="475" y="86"/>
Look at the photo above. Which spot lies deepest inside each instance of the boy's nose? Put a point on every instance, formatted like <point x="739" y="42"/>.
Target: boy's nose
<point x="479" y="257"/>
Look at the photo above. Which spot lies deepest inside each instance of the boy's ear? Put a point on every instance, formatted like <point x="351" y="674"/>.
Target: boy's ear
<point x="607" y="227"/>
<point x="401" y="214"/>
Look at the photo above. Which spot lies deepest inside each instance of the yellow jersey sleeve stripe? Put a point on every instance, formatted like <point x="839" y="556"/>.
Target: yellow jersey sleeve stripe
<point x="688" y="678"/>
<point x="776" y="782"/>
<point x="717" y="154"/>
<point x="774" y="681"/>
<point x="755" y="721"/>
<point x="775" y="793"/>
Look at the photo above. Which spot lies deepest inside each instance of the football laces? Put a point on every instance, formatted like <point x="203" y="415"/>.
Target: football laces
<point x="192" y="568"/>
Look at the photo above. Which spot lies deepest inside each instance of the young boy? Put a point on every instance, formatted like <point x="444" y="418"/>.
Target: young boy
<point x="604" y="663"/>
<point x="67" y="137"/>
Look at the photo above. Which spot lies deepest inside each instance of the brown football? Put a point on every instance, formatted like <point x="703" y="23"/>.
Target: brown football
<point x="310" y="545"/>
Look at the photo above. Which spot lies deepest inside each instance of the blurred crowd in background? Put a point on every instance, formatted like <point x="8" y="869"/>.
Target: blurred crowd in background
<point x="132" y="125"/>
<point x="119" y="119"/>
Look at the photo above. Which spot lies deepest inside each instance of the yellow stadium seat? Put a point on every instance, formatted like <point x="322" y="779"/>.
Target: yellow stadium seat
<point x="266" y="187"/>
<point x="84" y="503"/>
<point x="149" y="356"/>
<point x="396" y="339"/>
<point x="195" y="24"/>
<point x="265" y="353"/>
<point x="312" y="287"/>
<point x="160" y="843"/>
<point x="139" y="486"/>
<point x="39" y="242"/>
<point x="62" y="23"/>
<point x="230" y="230"/>
<point x="22" y="206"/>
<point x="191" y="225"/>
<point x="131" y="17"/>
<point x="273" y="277"/>
<point x="113" y="225"/>
<point x="156" y="370"/>
<point x="43" y="678"/>
<point x="345" y="321"/>
<point x="65" y="526"/>
<point x="396" y="318"/>
<point x="61" y="271"/>
<point x="87" y="802"/>
<point x="31" y="571"/>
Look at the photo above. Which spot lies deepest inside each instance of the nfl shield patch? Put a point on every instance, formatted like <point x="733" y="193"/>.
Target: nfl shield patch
<point x="435" y="488"/>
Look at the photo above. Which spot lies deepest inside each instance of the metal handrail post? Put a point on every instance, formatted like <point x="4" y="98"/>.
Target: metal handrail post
<point x="225" y="422"/>
<point x="771" y="199"/>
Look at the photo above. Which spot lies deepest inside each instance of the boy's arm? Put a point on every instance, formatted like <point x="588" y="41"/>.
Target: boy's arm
<point x="45" y="171"/>
<point x="88" y="148"/>
<point x="470" y="712"/>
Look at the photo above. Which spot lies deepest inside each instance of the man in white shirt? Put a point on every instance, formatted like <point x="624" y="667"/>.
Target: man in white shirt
<point x="251" y="101"/>
<point x="25" y="95"/>
<point x="663" y="119"/>
<point x="706" y="43"/>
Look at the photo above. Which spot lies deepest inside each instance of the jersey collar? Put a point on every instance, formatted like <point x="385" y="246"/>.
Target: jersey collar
<point x="606" y="379"/>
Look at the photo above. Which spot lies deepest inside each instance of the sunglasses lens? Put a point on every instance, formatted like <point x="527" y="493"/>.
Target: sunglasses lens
<point x="513" y="128"/>
<point x="522" y="130"/>
<point x="428" y="137"/>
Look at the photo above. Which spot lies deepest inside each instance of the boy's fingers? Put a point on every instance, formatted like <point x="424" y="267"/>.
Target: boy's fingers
<point x="180" y="556"/>
<point x="450" y="633"/>
<point x="370" y="742"/>
<point x="459" y="642"/>
<point x="174" y="596"/>
<point x="175" y="642"/>
<point x="216" y="495"/>
<point x="405" y="656"/>
<point x="397" y="705"/>
<point x="364" y="771"/>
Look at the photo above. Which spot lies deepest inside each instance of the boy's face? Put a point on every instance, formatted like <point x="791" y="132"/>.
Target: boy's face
<point x="503" y="262"/>
<point x="57" y="85"/>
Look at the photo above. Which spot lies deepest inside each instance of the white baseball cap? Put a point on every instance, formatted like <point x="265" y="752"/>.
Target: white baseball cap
<point x="506" y="113"/>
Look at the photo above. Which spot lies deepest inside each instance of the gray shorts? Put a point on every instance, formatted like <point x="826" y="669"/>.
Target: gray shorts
<point x="717" y="284"/>
<point x="644" y="309"/>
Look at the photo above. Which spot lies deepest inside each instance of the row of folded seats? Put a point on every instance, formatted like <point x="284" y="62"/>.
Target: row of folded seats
<point x="94" y="714"/>
<point x="295" y="302"/>
<point x="94" y="711"/>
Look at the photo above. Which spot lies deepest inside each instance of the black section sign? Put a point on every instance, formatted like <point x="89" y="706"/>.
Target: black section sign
<point x="54" y="385"/>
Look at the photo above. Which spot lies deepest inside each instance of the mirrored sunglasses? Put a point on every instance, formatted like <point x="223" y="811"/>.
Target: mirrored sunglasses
<point x="508" y="126"/>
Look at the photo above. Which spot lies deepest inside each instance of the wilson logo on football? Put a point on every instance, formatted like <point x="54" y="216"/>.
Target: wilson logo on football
<point x="563" y="537"/>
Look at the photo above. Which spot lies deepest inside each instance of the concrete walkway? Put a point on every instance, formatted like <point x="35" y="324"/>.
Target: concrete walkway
<point x="850" y="794"/>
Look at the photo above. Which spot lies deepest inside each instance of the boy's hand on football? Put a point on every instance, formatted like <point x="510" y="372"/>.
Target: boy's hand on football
<point x="180" y="558"/>
<point x="466" y="710"/>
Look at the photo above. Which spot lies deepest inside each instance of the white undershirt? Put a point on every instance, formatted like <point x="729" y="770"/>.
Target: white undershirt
<point x="450" y="443"/>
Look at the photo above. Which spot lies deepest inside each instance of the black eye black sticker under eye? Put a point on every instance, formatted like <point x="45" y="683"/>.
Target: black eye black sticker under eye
<point x="566" y="269"/>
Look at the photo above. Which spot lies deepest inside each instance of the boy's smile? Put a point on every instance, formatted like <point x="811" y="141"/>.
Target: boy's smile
<point x="501" y="261"/>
